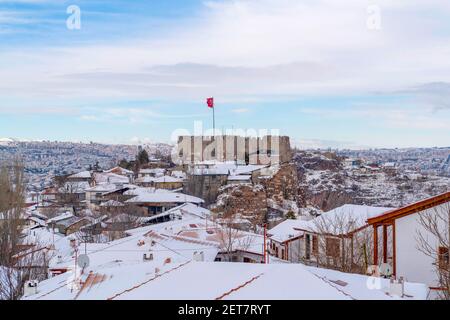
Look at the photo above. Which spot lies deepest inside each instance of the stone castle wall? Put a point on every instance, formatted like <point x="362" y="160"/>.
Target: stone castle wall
<point x="263" y="150"/>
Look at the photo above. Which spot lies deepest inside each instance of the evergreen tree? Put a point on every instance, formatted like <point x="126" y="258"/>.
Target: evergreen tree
<point x="290" y="215"/>
<point x="142" y="157"/>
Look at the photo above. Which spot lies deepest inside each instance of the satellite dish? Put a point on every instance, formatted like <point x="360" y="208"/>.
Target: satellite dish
<point x="83" y="261"/>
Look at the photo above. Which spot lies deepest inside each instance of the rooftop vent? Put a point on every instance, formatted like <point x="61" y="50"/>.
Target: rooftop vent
<point x="30" y="288"/>
<point x="148" y="256"/>
<point x="397" y="287"/>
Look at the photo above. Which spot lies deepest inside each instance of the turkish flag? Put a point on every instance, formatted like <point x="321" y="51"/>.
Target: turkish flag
<point x="210" y="102"/>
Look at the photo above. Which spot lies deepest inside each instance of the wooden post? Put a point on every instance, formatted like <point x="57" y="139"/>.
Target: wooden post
<point x="385" y="241"/>
<point x="351" y="253"/>
<point x="375" y="245"/>
<point x="394" y="249"/>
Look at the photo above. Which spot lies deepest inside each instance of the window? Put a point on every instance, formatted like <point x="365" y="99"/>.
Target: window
<point x="282" y="254"/>
<point x="443" y="258"/>
<point x="333" y="247"/>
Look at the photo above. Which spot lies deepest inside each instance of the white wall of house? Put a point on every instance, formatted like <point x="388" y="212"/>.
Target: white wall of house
<point x="293" y="250"/>
<point x="296" y="250"/>
<point x="413" y="264"/>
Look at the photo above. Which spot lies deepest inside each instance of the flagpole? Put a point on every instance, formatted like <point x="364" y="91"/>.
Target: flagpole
<point x="214" y="121"/>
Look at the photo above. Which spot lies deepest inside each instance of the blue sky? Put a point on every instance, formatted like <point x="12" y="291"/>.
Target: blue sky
<point x="319" y="71"/>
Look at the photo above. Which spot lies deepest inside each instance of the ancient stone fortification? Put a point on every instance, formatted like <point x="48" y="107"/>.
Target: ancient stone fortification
<point x="247" y="200"/>
<point x="252" y="200"/>
<point x="283" y="185"/>
<point x="263" y="150"/>
<point x="205" y="187"/>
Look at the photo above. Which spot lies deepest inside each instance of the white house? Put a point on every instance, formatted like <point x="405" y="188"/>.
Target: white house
<point x="406" y="224"/>
<point x="335" y="235"/>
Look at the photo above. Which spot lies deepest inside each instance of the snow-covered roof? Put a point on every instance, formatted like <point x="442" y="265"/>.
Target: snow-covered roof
<point x="167" y="179"/>
<point x="239" y="178"/>
<point x="70" y="221"/>
<point x="182" y="210"/>
<point x="122" y="171"/>
<point x="117" y="270"/>
<point x="162" y="179"/>
<point x="112" y="203"/>
<point x="183" y="279"/>
<point x="64" y="216"/>
<point x="389" y="165"/>
<point x="226" y="169"/>
<point x="103" y="187"/>
<point x="145" y="179"/>
<point x="81" y="175"/>
<point x="38" y="221"/>
<point x="154" y="171"/>
<point x="143" y="190"/>
<point x="108" y="177"/>
<point x="164" y="197"/>
<point x="343" y="220"/>
<point x="178" y="174"/>
<point x="285" y="230"/>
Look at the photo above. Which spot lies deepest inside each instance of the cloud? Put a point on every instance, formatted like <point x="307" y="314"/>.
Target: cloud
<point x="404" y="114"/>
<point x="240" y="110"/>
<point x="308" y="144"/>
<point x="246" y="51"/>
<point x="434" y="95"/>
<point x="248" y="48"/>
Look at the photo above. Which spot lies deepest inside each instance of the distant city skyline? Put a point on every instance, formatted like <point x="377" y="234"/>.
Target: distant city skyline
<point x="359" y="74"/>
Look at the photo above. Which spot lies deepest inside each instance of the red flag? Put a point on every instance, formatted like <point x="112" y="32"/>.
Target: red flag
<point x="210" y="102"/>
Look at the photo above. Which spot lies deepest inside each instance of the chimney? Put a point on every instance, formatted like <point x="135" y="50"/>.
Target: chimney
<point x="148" y="256"/>
<point x="397" y="287"/>
<point x="199" y="256"/>
<point x="30" y="288"/>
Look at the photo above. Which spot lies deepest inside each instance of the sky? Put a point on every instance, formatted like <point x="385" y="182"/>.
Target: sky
<point x="339" y="74"/>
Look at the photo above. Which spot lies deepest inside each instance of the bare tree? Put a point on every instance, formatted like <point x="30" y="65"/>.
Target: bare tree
<point x="341" y="241"/>
<point x="12" y="202"/>
<point x="18" y="261"/>
<point x="228" y="237"/>
<point x="433" y="241"/>
<point x="231" y="238"/>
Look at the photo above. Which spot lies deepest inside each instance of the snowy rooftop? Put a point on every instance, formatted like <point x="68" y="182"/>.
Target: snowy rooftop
<point x="183" y="279"/>
<point x="344" y="219"/>
<point x="225" y="169"/>
<point x="117" y="270"/>
<point x="81" y="175"/>
<point x="162" y="179"/>
<point x="64" y="216"/>
<point x="285" y="230"/>
<point x="164" y="197"/>
<point x="186" y="209"/>
<point x="239" y="178"/>
<point x="155" y="171"/>
<point x="122" y="171"/>
<point x="103" y="187"/>
<point x="108" y="177"/>
<point x="112" y="203"/>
